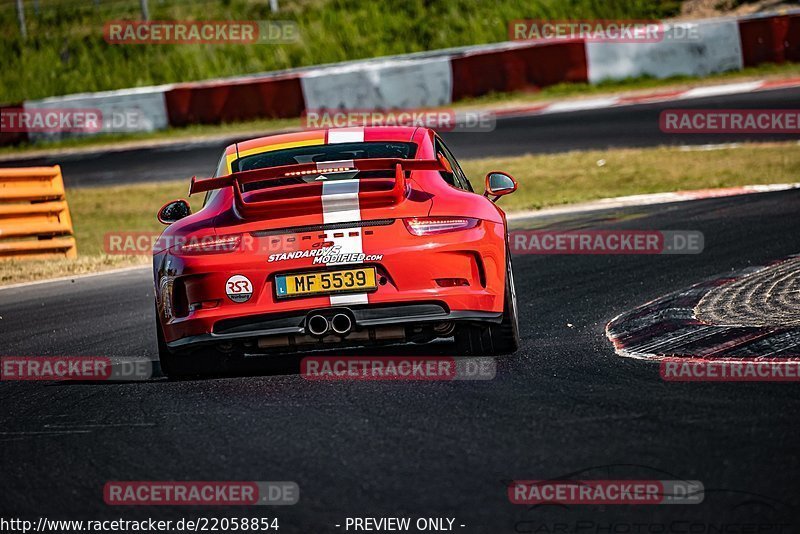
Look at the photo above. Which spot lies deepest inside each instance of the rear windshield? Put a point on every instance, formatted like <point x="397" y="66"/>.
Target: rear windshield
<point x="321" y="153"/>
<point x="318" y="154"/>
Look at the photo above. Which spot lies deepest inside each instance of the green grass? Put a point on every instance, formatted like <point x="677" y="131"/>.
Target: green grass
<point x="545" y="180"/>
<point x="549" y="180"/>
<point x="130" y="208"/>
<point x="65" y="51"/>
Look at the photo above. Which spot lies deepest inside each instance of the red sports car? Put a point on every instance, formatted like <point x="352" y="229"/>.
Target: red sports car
<point x="332" y="238"/>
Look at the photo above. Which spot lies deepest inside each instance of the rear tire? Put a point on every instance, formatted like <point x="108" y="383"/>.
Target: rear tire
<point x="495" y="339"/>
<point x="202" y="362"/>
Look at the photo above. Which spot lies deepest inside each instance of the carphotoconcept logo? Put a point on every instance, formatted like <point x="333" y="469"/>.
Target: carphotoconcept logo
<point x="607" y="242"/>
<point x="73" y="120"/>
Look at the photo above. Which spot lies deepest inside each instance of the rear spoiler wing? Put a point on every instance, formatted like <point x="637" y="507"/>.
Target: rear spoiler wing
<point x="238" y="179"/>
<point x="330" y="167"/>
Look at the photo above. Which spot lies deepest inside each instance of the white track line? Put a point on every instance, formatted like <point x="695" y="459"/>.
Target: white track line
<point x="121" y="270"/>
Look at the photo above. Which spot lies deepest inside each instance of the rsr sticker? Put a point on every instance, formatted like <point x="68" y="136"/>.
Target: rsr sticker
<point x="239" y="288"/>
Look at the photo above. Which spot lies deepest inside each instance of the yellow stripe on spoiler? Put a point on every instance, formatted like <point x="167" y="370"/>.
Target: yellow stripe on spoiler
<point x="230" y="158"/>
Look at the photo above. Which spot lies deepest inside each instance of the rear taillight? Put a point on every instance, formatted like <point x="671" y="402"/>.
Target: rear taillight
<point x="439" y="225"/>
<point x="209" y="245"/>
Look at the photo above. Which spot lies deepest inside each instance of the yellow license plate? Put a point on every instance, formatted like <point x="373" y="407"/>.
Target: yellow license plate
<point x="304" y="284"/>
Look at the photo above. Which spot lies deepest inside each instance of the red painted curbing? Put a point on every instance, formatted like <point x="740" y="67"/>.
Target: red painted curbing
<point x="218" y="102"/>
<point x="770" y="39"/>
<point x="12" y="138"/>
<point x="518" y="69"/>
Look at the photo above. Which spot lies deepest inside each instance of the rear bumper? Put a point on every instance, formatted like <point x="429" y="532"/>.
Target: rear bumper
<point x="194" y="307"/>
<point x="365" y="317"/>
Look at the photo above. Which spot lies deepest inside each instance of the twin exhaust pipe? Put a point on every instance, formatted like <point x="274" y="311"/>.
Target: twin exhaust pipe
<point x="319" y="325"/>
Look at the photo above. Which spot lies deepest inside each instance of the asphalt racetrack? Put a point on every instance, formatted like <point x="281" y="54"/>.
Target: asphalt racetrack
<point x="626" y="126"/>
<point x="564" y="406"/>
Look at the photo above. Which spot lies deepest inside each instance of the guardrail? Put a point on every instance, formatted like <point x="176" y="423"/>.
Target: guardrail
<point x="34" y="215"/>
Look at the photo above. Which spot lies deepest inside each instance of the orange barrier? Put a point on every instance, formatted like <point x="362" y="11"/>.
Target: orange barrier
<point x="34" y="215"/>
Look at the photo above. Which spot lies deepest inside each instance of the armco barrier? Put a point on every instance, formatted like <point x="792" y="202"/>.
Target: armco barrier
<point x="770" y="39"/>
<point x="11" y="138"/>
<point x="141" y="109"/>
<point x="34" y="216"/>
<point x="390" y="84"/>
<point x="793" y="39"/>
<point x="518" y="68"/>
<point x="717" y="48"/>
<point x="228" y="101"/>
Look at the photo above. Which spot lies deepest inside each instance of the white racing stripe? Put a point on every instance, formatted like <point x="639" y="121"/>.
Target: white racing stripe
<point x="346" y="135"/>
<point x="340" y="204"/>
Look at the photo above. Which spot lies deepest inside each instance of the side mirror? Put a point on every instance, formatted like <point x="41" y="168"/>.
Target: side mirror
<point x="498" y="184"/>
<point x="174" y="211"/>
